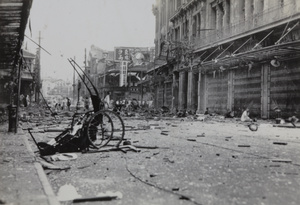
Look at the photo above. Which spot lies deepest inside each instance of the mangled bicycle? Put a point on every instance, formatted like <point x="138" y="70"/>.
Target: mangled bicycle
<point x="90" y="130"/>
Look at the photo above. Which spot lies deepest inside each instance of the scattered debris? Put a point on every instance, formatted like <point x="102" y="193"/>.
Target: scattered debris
<point x="123" y="148"/>
<point x="244" y="145"/>
<point x="202" y="135"/>
<point x="107" y="196"/>
<point x="47" y="165"/>
<point x="291" y="173"/>
<point x="181" y="196"/>
<point x="83" y="167"/>
<point x="168" y="160"/>
<point x="63" y="157"/>
<point x="281" y="160"/>
<point x="159" y="128"/>
<point x="67" y="192"/>
<point x="274" y="165"/>
<point x="53" y="130"/>
<point x="185" y="198"/>
<point x="164" y="132"/>
<point x="149" y="147"/>
<point x="280" y="143"/>
<point x="127" y="142"/>
<point x="253" y="127"/>
<point x="156" y="118"/>
<point x="286" y="126"/>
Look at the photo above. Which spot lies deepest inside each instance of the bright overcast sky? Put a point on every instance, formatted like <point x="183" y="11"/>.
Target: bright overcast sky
<point x="69" y="26"/>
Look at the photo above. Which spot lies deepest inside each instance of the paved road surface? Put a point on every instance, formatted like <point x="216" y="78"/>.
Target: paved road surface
<point x="211" y="162"/>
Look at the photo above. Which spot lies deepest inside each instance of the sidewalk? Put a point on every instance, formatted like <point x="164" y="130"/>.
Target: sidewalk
<point x="22" y="178"/>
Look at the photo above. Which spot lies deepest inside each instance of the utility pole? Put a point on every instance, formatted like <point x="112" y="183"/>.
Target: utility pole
<point x="74" y="84"/>
<point x="87" y="73"/>
<point x="38" y="72"/>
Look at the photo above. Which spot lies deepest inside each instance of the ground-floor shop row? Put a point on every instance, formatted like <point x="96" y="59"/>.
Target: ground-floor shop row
<point x="262" y="87"/>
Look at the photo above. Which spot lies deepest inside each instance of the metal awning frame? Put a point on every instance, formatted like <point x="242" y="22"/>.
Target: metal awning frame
<point x="282" y="52"/>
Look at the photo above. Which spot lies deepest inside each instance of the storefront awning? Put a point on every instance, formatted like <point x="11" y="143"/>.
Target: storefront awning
<point x="14" y="16"/>
<point x="280" y="52"/>
<point x="157" y="67"/>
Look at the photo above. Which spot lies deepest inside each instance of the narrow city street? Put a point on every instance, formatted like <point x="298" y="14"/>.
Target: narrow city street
<point x="185" y="161"/>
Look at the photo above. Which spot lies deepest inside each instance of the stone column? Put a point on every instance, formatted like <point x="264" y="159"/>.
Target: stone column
<point x="248" y="14"/>
<point x="230" y="97"/>
<point x="199" y="93"/>
<point x="175" y="92"/>
<point x="265" y="91"/>
<point x="226" y="19"/>
<point x="219" y="14"/>
<point x="257" y="11"/>
<point x="297" y="5"/>
<point x="190" y="91"/>
<point x="182" y="90"/>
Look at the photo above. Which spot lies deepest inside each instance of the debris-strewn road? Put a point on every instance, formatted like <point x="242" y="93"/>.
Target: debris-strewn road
<point x="190" y="162"/>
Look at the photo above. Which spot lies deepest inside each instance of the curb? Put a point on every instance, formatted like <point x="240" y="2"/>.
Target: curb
<point x="42" y="176"/>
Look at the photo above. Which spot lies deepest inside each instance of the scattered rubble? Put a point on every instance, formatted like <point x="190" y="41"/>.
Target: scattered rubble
<point x="281" y="160"/>
<point x="280" y="143"/>
<point x="63" y="157"/>
<point x="67" y="192"/>
<point x="244" y="146"/>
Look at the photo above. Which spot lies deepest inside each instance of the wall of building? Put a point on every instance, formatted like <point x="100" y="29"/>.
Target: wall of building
<point x="214" y="24"/>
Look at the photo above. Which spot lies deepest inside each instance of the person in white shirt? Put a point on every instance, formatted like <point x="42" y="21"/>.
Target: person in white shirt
<point x="245" y="116"/>
<point x="107" y="100"/>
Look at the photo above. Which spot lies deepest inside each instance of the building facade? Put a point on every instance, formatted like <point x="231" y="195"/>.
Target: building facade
<point x="57" y="91"/>
<point x="228" y="55"/>
<point x="120" y="71"/>
<point x="27" y="85"/>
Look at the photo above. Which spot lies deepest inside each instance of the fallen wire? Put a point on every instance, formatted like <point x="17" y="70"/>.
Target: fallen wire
<point x="181" y="196"/>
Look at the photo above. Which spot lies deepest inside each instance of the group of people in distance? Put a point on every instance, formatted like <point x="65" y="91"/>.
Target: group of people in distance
<point x="64" y="106"/>
<point x="117" y="105"/>
<point x="245" y="117"/>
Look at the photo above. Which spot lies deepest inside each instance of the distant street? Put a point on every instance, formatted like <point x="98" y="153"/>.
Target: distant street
<point x="182" y="161"/>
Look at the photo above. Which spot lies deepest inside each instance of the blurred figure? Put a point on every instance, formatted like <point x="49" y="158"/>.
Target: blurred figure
<point x="68" y="104"/>
<point x="107" y="100"/>
<point x="25" y="102"/>
<point x="86" y="103"/>
<point x="245" y="116"/>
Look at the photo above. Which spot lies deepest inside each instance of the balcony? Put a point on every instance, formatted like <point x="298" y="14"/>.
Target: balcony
<point x="267" y="19"/>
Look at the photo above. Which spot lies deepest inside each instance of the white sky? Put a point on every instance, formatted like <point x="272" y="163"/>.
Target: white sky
<point x="69" y="26"/>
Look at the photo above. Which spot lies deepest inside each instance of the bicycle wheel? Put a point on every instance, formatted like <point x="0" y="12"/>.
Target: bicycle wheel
<point x="118" y="127"/>
<point x="99" y="129"/>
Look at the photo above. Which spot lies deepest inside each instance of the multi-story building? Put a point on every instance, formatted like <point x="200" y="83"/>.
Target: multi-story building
<point x="228" y="55"/>
<point x="28" y="76"/>
<point x="57" y="91"/>
<point x="120" y="71"/>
